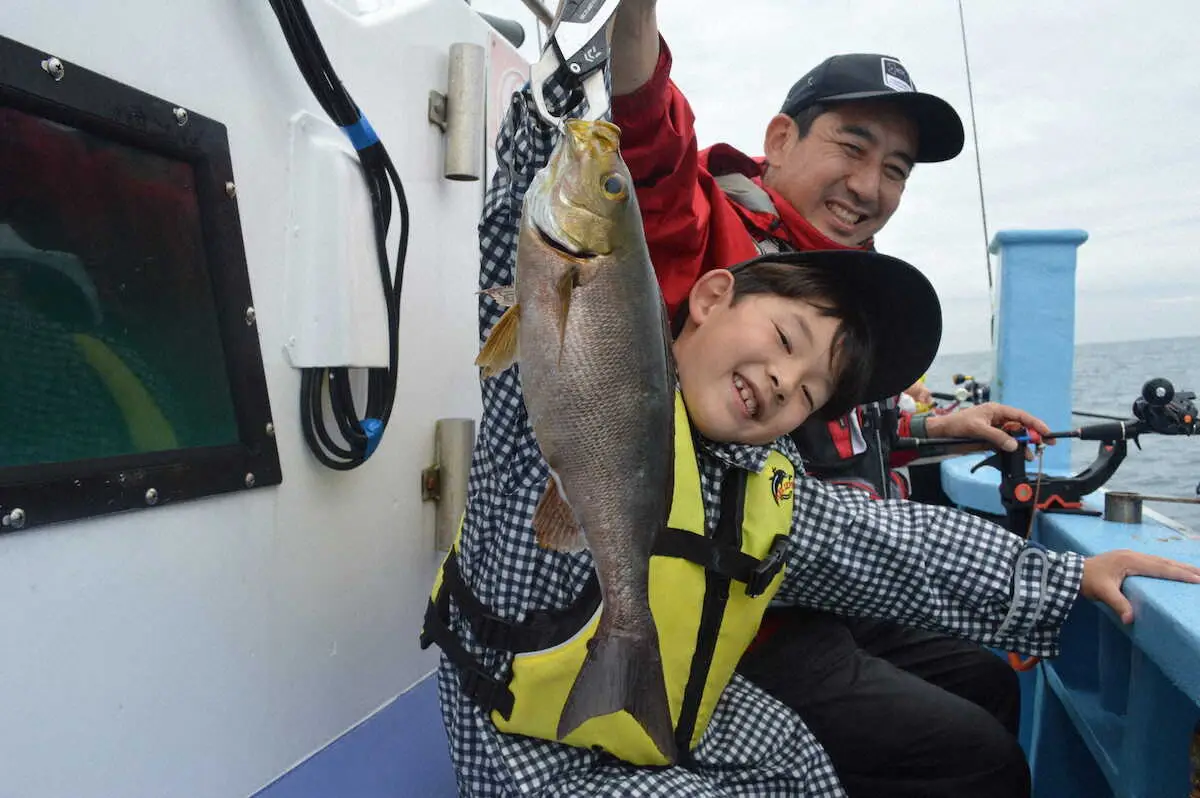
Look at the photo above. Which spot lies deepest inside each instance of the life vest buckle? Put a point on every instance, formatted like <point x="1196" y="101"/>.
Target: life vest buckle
<point x="491" y="631"/>
<point x="490" y="693"/>
<point x="768" y="567"/>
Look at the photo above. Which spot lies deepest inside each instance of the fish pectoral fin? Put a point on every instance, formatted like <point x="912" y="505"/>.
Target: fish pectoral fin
<point x="554" y="523"/>
<point x="566" y="284"/>
<point x="500" y="349"/>
<point x="575" y="275"/>
<point x="503" y="295"/>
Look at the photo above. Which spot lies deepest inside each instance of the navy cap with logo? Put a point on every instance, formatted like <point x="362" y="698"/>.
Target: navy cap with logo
<point x="862" y="76"/>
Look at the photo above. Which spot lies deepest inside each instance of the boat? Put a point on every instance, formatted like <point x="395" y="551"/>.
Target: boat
<point x="204" y="592"/>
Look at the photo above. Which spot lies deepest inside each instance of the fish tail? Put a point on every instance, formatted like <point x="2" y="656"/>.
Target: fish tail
<point x="622" y="672"/>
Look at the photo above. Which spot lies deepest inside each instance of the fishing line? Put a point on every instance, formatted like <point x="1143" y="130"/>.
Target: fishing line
<point x="987" y="255"/>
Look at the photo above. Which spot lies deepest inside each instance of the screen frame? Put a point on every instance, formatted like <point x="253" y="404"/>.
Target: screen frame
<point x="55" y="492"/>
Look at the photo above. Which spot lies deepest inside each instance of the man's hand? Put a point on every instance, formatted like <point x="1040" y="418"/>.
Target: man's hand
<point x="984" y="422"/>
<point x="1104" y="573"/>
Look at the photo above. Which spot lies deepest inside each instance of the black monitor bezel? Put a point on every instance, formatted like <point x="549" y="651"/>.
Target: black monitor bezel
<point x="54" y="492"/>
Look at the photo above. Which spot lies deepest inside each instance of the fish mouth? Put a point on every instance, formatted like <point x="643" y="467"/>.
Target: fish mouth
<point x="564" y="249"/>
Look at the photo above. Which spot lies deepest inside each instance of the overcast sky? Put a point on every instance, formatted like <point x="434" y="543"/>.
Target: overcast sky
<point x="1088" y="116"/>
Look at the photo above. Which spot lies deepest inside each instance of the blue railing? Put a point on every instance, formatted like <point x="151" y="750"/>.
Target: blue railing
<point x="1114" y="715"/>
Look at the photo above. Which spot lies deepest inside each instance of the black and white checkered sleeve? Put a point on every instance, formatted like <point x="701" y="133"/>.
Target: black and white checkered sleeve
<point x="928" y="566"/>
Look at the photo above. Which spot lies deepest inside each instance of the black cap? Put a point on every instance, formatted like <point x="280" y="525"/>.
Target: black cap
<point x="863" y="76"/>
<point x="899" y="306"/>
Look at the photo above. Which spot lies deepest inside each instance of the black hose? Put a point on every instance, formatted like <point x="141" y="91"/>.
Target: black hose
<point x="327" y="390"/>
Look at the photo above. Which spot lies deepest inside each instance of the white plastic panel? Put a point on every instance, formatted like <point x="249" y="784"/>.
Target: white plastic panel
<point x="336" y="310"/>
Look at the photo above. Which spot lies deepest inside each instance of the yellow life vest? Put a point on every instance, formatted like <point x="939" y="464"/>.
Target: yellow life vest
<point x="707" y="596"/>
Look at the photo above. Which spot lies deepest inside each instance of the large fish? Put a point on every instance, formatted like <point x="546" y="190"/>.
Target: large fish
<point x="586" y="324"/>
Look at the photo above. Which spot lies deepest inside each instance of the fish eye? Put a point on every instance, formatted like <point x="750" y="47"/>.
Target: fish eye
<point x="614" y="186"/>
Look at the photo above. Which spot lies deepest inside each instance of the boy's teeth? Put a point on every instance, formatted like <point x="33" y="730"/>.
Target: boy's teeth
<point x="746" y="394"/>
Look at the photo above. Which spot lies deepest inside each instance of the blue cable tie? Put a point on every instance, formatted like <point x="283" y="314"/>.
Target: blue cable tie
<point x="361" y="134"/>
<point x="374" y="429"/>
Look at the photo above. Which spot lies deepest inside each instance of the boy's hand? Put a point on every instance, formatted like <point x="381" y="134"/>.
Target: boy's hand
<point x="984" y="422"/>
<point x="1104" y="573"/>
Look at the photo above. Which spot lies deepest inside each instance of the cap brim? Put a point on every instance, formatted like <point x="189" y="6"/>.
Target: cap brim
<point x="900" y="308"/>
<point x="939" y="127"/>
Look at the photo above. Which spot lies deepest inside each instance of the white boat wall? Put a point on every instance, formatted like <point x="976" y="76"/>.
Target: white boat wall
<point x="205" y="647"/>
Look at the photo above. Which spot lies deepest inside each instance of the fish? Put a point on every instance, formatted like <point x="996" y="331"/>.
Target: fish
<point x="587" y="325"/>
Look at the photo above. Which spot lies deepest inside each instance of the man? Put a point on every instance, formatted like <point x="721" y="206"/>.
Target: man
<point x="899" y="711"/>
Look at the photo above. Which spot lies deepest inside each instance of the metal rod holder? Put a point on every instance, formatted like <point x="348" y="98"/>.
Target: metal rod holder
<point x="445" y="482"/>
<point x="1123" y="507"/>
<point x="464" y="112"/>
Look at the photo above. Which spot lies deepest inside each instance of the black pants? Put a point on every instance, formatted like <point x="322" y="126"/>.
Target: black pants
<point x="901" y="712"/>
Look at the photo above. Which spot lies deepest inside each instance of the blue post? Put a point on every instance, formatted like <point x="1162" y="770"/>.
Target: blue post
<point x="1035" y="327"/>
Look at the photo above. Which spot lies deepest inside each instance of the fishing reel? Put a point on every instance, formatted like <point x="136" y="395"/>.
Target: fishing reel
<point x="1159" y="410"/>
<point x="966" y="389"/>
<point x="971" y="390"/>
<point x="1166" y="412"/>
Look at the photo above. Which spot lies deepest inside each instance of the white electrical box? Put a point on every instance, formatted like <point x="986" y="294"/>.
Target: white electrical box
<point x="335" y="301"/>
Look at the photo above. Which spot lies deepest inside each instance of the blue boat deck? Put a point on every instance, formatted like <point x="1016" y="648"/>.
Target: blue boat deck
<point x="398" y="752"/>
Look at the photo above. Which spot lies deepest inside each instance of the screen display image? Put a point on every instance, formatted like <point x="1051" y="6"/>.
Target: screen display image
<point x="109" y="337"/>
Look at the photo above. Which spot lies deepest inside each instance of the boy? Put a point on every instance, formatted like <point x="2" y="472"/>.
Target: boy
<point x="761" y="348"/>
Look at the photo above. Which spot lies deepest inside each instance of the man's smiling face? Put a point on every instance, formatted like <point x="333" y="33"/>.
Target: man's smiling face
<point x="846" y="176"/>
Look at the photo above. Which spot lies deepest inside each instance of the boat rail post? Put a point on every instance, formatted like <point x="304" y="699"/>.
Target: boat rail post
<point x="1035" y="327"/>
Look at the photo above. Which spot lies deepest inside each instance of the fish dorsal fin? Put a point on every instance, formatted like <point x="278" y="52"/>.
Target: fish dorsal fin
<point x="500" y="349"/>
<point x="554" y="523"/>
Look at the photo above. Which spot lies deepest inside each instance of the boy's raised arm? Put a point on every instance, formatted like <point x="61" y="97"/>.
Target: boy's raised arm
<point x="634" y="45"/>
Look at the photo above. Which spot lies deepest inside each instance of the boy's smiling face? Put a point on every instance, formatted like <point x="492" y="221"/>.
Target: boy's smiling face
<point x="753" y="369"/>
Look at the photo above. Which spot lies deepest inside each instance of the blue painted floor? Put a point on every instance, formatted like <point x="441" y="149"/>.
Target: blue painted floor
<point x="399" y="753"/>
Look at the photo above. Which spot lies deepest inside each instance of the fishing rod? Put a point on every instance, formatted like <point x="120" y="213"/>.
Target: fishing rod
<point x="978" y="392"/>
<point x="1160" y="410"/>
<point x="987" y="252"/>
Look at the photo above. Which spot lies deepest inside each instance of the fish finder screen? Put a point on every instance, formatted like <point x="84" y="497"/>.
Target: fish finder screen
<point x="109" y="337"/>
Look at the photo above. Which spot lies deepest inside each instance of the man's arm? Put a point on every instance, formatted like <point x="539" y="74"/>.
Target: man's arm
<point x="947" y="570"/>
<point x="634" y="45"/>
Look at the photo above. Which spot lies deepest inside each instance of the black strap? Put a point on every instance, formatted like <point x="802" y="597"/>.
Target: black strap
<point x="490" y="693"/>
<point x="725" y="559"/>
<point x="543" y="629"/>
<point x="728" y="534"/>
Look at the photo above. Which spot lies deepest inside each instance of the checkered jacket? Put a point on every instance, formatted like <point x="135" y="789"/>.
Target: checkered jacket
<point x="925" y="566"/>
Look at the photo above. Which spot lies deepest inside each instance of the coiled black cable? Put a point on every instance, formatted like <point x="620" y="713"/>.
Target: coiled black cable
<point x="359" y="437"/>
